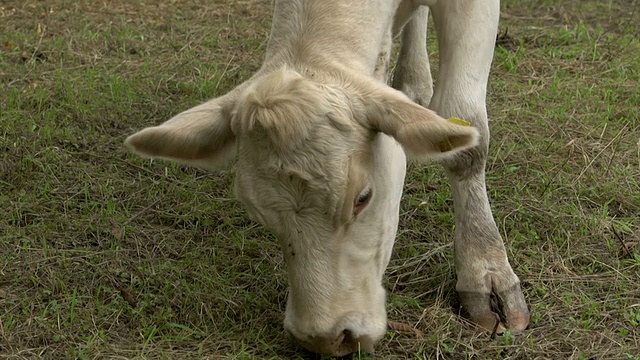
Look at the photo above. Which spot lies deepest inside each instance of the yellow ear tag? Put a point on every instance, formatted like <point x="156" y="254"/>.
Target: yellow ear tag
<point x="458" y="121"/>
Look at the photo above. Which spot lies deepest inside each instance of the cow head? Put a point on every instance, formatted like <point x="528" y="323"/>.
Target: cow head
<point x="318" y="163"/>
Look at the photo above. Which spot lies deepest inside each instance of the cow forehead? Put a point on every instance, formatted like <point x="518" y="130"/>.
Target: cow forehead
<point x="300" y="135"/>
<point x="287" y="202"/>
<point x="303" y="184"/>
<point x="297" y="141"/>
<point x="289" y="109"/>
<point x="305" y="188"/>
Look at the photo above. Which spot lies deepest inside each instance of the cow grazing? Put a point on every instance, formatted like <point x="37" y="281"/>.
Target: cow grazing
<point x="320" y="143"/>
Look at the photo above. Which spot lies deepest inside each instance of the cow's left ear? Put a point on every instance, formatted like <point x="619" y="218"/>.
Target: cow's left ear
<point x="422" y="132"/>
<point x="200" y="136"/>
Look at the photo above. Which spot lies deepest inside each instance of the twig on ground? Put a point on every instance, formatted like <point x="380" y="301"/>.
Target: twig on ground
<point x="136" y="215"/>
<point x="619" y="237"/>
<point x="404" y="328"/>
<point x="118" y="231"/>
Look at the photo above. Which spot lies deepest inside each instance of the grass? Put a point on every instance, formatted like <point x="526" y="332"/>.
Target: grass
<point x="105" y="255"/>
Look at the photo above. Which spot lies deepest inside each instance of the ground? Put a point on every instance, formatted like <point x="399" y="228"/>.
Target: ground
<point x="106" y="255"/>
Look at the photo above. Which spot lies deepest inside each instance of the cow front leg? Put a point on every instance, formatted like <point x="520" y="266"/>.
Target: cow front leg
<point x="466" y="33"/>
<point x="412" y="74"/>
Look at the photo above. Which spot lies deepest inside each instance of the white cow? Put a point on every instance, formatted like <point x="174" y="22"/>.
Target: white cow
<point x="320" y="143"/>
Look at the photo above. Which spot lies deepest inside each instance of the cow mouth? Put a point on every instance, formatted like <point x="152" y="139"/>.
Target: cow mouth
<point x="344" y="344"/>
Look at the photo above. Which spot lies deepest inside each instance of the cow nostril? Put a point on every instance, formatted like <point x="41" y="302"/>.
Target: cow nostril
<point x="351" y="344"/>
<point x="344" y="344"/>
<point x="347" y="339"/>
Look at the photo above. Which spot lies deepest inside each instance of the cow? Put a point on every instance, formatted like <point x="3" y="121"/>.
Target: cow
<point x="320" y="142"/>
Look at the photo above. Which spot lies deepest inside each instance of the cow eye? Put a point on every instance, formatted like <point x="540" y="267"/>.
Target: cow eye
<point x="362" y="200"/>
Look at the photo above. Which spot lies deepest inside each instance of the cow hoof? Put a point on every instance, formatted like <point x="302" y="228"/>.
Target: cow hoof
<point x="484" y="312"/>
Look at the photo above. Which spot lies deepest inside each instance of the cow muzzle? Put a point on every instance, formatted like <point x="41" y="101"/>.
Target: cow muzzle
<point x="343" y="344"/>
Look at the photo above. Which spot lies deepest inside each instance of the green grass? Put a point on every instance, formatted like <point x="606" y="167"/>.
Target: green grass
<point x="103" y="254"/>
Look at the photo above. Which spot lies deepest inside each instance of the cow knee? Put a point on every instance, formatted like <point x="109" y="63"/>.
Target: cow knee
<point x="472" y="161"/>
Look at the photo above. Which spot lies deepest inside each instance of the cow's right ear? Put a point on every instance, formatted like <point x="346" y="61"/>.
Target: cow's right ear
<point x="200" y="136"/>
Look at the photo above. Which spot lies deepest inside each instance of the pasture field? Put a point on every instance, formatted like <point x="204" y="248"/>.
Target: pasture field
<point x="106" y="255"/>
